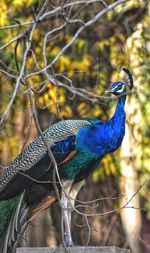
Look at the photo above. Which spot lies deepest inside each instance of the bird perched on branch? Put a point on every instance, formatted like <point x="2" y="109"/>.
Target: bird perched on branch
<point x="28" y="185"/>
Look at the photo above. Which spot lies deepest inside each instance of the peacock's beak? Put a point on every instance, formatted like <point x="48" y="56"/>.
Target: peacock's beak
<point x="109" y="90"/>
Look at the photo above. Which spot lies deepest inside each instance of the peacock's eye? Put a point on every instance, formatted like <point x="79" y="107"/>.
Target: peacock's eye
<point x="119" y="86"/>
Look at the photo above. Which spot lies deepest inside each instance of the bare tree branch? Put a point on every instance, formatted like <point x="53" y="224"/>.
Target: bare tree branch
<point x="53" y="79"/>
<point x="87" y="24"/>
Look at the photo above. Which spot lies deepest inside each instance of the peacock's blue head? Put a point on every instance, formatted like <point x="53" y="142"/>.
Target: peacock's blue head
<point x="117" y="88"/>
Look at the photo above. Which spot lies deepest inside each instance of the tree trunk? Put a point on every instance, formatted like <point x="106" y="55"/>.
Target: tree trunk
<point x="131" y="218"/>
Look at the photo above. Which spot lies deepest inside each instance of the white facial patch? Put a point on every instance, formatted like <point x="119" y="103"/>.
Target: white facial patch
<point x="121" y="89"/>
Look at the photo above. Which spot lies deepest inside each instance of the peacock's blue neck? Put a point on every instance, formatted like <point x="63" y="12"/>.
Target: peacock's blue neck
<point x="104" y="137"/>
<point x="120" y="106"/>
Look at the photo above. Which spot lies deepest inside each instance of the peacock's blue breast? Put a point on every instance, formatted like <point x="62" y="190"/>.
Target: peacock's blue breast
<point x="102" y="138"/>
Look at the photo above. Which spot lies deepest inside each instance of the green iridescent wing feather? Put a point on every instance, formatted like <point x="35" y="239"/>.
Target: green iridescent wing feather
<point x="36" y="150"/>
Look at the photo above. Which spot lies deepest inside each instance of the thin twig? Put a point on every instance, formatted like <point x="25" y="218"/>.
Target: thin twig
<point x="86" y="25"/>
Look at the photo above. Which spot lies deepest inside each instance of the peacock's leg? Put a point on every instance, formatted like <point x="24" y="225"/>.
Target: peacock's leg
<point x="68" y="197"/>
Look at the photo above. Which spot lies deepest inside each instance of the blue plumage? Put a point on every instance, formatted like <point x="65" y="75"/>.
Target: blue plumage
<point x="77" y="145"/>
<point x="94" y="142"/>
<point x="64" y="146"/>
<point x="103" y="138"/>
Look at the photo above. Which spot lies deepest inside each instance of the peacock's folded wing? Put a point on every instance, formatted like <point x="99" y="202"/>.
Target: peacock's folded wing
<point x="31" y="160"/>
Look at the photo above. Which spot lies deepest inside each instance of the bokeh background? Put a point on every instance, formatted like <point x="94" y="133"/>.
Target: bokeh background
<point x="92" y="63"/>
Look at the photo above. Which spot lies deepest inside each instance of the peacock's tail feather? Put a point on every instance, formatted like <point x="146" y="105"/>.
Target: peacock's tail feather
<point x="15" y="220"/>
<point x="7" y="209"/>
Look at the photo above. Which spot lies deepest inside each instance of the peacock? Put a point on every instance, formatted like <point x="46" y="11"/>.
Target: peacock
<point x="33" y="182"/>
